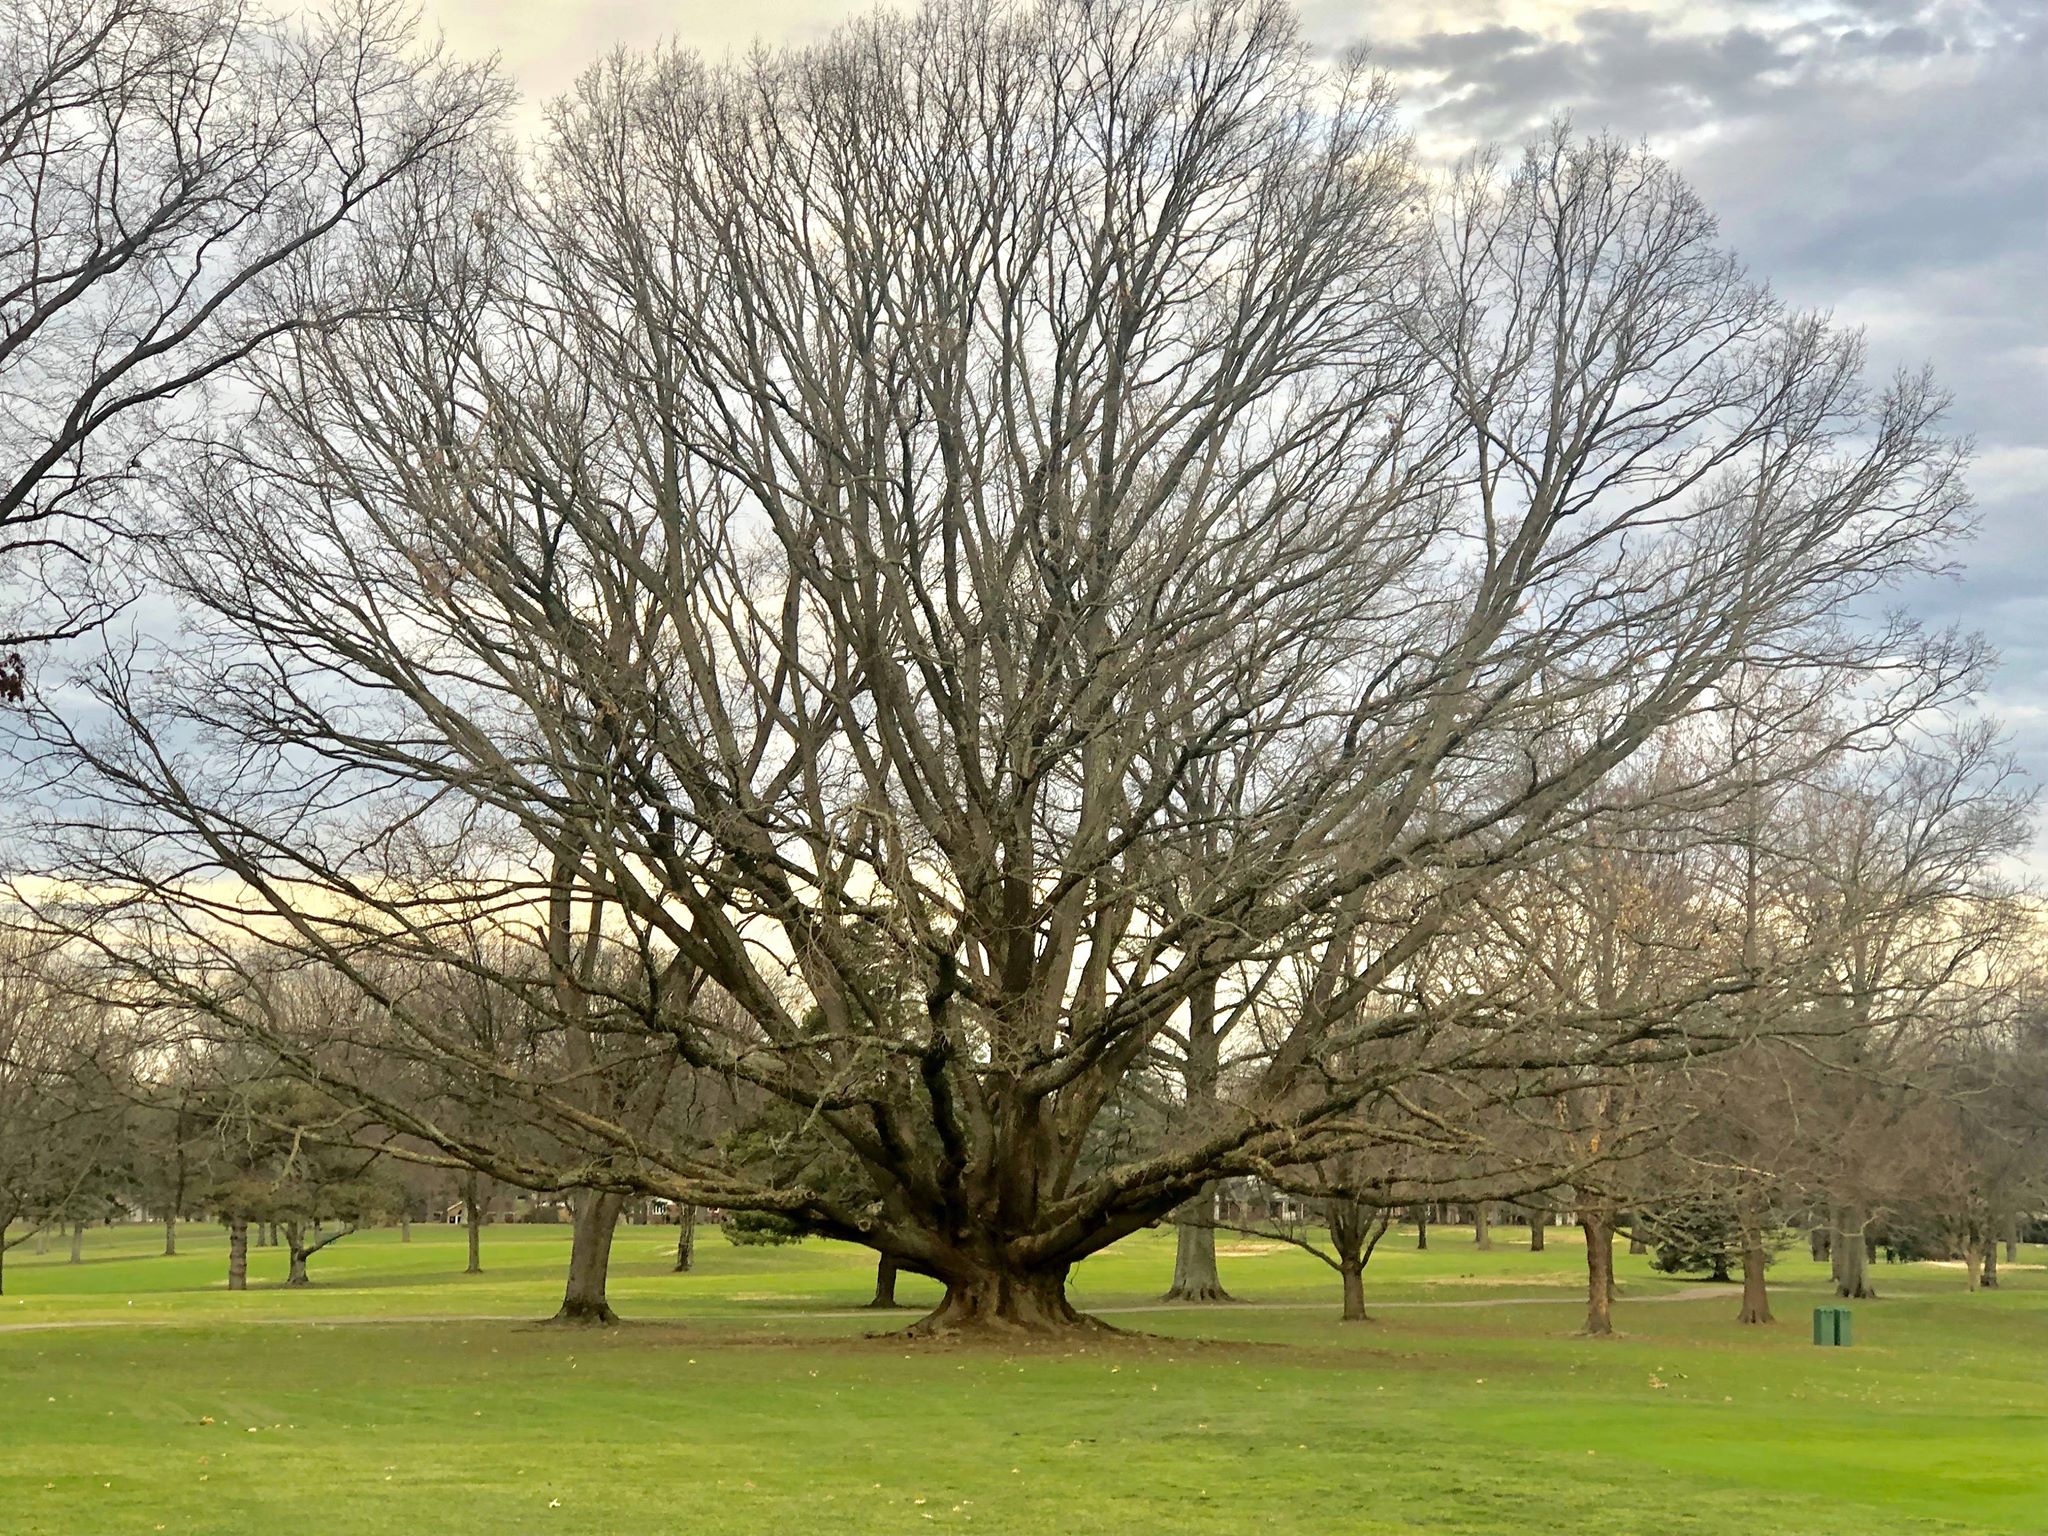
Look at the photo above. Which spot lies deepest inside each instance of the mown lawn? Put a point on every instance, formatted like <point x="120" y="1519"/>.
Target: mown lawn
<point x="749" y="1397"/>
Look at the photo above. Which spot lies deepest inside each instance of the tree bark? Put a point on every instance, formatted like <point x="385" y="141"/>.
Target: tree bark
<point x="170" y="1237"/>
<point x="295" y="1242"/>
<point x="1638" y="1235"/>
<point x="1599" y="1229"/>
<point x="1817" y="1238"/>
<point x="999" y="1300"/>
<point x="1990" y="1275"/>
<point x="1538" y="1222"/>
<point x="1756" y="1298"/>
<point x="590" y="1258"/>
<point x="1973" y="1265"/>
<point x="472" y="1218"/>
<point x="77" y="1243"/>
<point x="2012" y="1242"/>
<point x="405" y="1226"/>
<point x="1422" y="1229"/>
<point x="885" y="1283"/>
<point x="686" y="1238"/>
<point x="238" y="1253"/>
<point x="1851" y="1258"/>
<point x="1482" y="1227"/>
<point x="1354" y="1292"/>
<point x="1194" y="1252"/>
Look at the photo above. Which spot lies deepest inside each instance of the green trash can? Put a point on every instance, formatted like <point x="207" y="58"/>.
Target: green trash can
<point x="1831" y="1325"/>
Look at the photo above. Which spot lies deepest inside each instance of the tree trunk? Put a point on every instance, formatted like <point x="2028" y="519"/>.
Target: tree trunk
<point x="1720" y="1276"/>
<point x="1990" y="1277"/>
<point x="1817" y="1237"/>
<point x="590" y="1259"/>
<point x="1538" y="1221"/>
<point x="885" y="1283"/>
<point x="1638" y="1235"/>
<point x="238" y="1253"/>
<point x="1756" y="1299"/>
<point x="1845" y="1246"/>
<point x="42" y="1240"/>
<point x="1599" y="1230"/>
<point x="295" y="1240"/>
<point x="405" y="1226"/>
<point x="1194" y="1253"/>
<point x="1354" y="1292"/>
<point x="686" y="1239"/>
<point x="1482" y="1227"/>
<point x="1973" y="1265"/>
<point x="472" y="1218"/>
<point x="170" y="1237"/>
<point x="2012" y="1242"/>
<point x="998" y="1300"/>
<point x="77" y="1243"/>
<point x="1422" y="1229"/>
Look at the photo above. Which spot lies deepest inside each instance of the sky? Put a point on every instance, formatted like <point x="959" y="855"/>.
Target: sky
<point x="1883" y="159"/>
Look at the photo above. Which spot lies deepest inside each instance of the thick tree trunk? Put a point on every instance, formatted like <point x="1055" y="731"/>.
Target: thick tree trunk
<point x="77" y="1243"/>
<point x="1851" y="1257"/>
<point x="170" y="1237"/>
<point x="1990" y="1276"/>
<point x="1354" y="1292"/>
<point x="238" y="1254"/>
<point x="1599" y="1229"/>
<point x="295" y="1241"/>
<point x="1422" y="1229"/>
<point x="1482" y="1226"/>
<point x="686" y="1239"/>
<point x="1756" y="1299"/>
<point x="1538" y="1221"/>
<point x="997" y="1300"/>
<point x="885" y="1283"/>
<point x="1194" y="1253"/>
<point x="473" y="1219"/>
<point x="590" y="1259"/>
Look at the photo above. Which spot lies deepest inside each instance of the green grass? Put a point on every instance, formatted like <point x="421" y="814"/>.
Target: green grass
<point x="748" y="1396"/>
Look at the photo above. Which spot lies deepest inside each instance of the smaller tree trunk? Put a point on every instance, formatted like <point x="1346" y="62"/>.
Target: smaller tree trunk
<point x="77" y="1243"/>
<point x="1817" y="1238"/>
<point x="1599" y="1229"/>
<point x="686" y="1239"/>
<point x="473" y="1219"/>
<point x="238" y="1253"/>
<point x="1990" y="1275"/>
<point x="170" y="1237"/>
<point x="590" y="1257"/>
<point x="885" y="1283"/>
<point x="405" y="1226"/>
<point x="1973" y="1265"/>
<point x="295" y="1242"/>
<point x="1538" y="1222"/>
<point x="42" y="1239"/>
<point x="1422" y="1229"/>
<point x="1638" y="1235"/>
<point x="2012" y="1242"/>
<point x="1354" y="1291"/>
<point x="1482" y="1227"/>
<point x="1850" y="1256"/>
<point x="1756" y="1299"/>
<point x="1194" y="1252"/>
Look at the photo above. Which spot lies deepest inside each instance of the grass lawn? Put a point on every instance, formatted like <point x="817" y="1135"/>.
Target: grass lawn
<point x="748" y="1396"/>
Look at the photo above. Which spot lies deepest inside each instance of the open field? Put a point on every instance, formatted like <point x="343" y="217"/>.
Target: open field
<point x="748" y="1396"/>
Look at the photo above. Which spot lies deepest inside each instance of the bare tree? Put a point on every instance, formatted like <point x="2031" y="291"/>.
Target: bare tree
<point x="850" y="502"/>
<point x="162" y="163"/>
